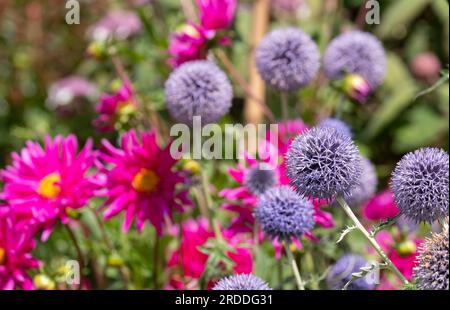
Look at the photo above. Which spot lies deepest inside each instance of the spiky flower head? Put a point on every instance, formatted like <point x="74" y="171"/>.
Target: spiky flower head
<point x="366" y="186"/>
<point x="431" y="272"/>
<point x="284" y="214"/>
<point x="323" y="163"/>
<point x="420" y="184"/>
<point x="341" y="273"/>
<point x="260" y="178"/>
<point x="356" y="52"/>
<point x="242" y="282"/>
<point x="198" y="88"/>
<point x="287" y="59"/>
<point x="336" y="124"/>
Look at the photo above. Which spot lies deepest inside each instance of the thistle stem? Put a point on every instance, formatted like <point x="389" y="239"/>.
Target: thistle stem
<point x="285" y="105"/>
<point x="298" y="278"/>
<point x="209" y="205"/>
<point x="77" y="248"/>
<point x="371" y="239"/>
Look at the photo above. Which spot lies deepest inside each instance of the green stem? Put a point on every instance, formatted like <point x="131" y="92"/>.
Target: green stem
<point x="371" y="239"/>
<point x="285" y="105"/>
<point x="77" y="248"/>
<point x="298" y="278"/>
<point x="155" y="261"/>
<point x="209" y="205"/>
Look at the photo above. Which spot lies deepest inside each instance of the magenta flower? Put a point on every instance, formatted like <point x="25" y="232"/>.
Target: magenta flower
<point x="112" y="107"/>
<point x="16" y="244"/>
<point x="286" y="133"/>
<point x="62" y="92"/>
<point x="381" y="207"/>
<point x="401" y="250"/>
<point x="216" y="14"/>
<point x="195" y="234"/>
<point x="141" y="182"/>
<point x="44" y="184"/>
<point x="186" y="44"/>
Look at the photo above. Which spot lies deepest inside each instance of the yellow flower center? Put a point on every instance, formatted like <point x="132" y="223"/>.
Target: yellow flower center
<point x="126" y="108"/>
<point x="189" y="30"/>
<point x="407" y="247"/>
<point x="145" y="181"/>
<point x="2" y="256"/>
<point x="48" y="187"/>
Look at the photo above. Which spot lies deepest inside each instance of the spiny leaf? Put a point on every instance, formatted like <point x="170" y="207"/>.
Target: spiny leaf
<point x="364" y="271"/>
<point x="382" y="225"/>
<point x="347" y="230"/>
<point x="441" y="81"/>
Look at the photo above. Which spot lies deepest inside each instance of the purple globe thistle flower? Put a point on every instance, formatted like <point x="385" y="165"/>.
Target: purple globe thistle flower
<point x="260" y="178"/>
<point x="284" y="214"/>
<point x="420" y="185"/>
<point x="341" y="273"/>
<point x="366" y="186"/>
<point x="356" y="52"/>
<point x="242" y="282"/>
<point x="198" y="88"/>
<point x="432" y="270"/>
<point x="323" y="163"/>
<point x="336" y="124"/>
<point x="287" y="59"/>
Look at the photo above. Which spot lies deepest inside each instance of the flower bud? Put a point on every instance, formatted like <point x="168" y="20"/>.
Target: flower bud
<point x="356" y="88"/>
<point x="43" y="282"/>
<point x="192" y="166"/>
<point x="406" y="248"/>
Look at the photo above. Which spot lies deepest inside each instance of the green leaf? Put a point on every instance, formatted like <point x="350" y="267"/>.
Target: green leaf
<point x="399" y="14"/>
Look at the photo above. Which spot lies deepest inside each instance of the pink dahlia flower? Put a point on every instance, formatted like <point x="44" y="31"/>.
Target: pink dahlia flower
<point x="141" y="182"/>
<point x="195" y="234"/>
<point x="16" y="244"/>
<point x="188" y="43"/>
<point x="216" y="14"/>
<point x="381" y="207"/>
<point x="44" y="183"/>
<point x="286" y="133"/>
<point x="111" y="107"/>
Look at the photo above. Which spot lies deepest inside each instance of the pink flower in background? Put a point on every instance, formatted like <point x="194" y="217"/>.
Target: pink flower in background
<point x="44" y="184"/>
<point x="186" y="44"/>
<point x="16" y="244"/>
<point x="401" y="250"/>
<point x="64" y="91"/>
<point x="141" y="182"/>
<point x="381" y="207"/>
<point x="287" y="131"/>
<point x="216" y="14"/>
<point x="112" y="106"/>
<point x="117" y="24"/>
<point x="195" y="234"/>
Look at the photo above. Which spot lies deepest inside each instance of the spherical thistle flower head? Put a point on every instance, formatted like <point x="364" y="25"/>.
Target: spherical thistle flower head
<point x="242" y="282"/>
<point x="198" y="88"/>
<point x="432" y="270"/>
<point x="420" y="185"/>
<point x="341" y="272"/>
<point x="323" y="163"/>
<point x="284" y="214"/>
<point x="337" y="124"/>
<point x="287" y="59"/>
<point x="366" y="186"/>
<point x="260" y="178"/>
<point x="356" y="52"/>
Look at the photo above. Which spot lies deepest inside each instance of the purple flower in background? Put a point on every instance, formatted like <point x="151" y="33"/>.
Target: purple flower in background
<point x="323" y="163"/>
<point x="287" y="59"/>
<point x="259" y="179"/>
<point x="65" y="91"/>
<point x="366" y="187"/>
<point x="420" y="185"/>
<point x="284" y="214"/>
<point x="198" y="88"/>
<point x="337" y="124"/>
<point x="356" y="52"/>
<point x="118" y="24"/>
<point x="341" y="273"/>
<point x="432" y="271"/>
<point x="241" y="282"/>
